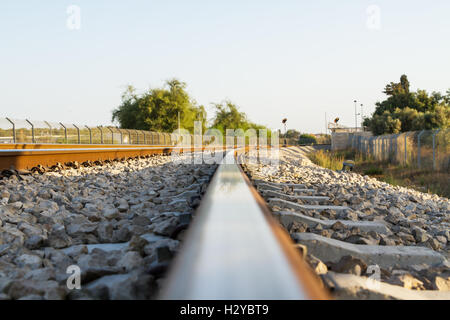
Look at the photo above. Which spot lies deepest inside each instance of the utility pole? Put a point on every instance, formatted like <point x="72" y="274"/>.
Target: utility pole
<point x="326" y="126"/>
<point x="178" y="122"/>
<point x="362" y="117"/>
<point x="356" y="116"/>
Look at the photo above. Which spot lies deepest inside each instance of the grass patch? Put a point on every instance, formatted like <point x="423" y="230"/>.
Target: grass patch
<point x="373" y="171"/>
<point x="421" y="180"/>
<point x="327" y="159"/>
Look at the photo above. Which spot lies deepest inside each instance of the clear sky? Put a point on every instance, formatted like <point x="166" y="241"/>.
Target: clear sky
<point x="275" y="59"/>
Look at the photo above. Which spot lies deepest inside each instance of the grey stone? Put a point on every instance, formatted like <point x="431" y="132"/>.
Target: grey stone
<point x="34" y="242"/>
<point x="75" y="229"/>
<point x="48" y="289"/>
<point x="433" y="244"/>
<point x="300" y="207"/>
<point x="95" y="265"/>
<point x="29" y="260"/>
<point x="287" y="217"/>
<point x="122" y="235"/>
<point x="349" y="264"/>
<point x="386" y="241"/>
<point x="131" y="260"/>
<point x="43" y="274"/>
<point x="132" y="286"/>
<point x="318" y="266"/>
<point x="420" y="235"/>
<point x="348" y="286"/>
<point x="105" y="231"/>
<point x="166" y="227"/>
<point x="75" y="251"/>
<point x="47" y="205"/>
<point x="385" y="256"/>
<point x="137" y="244"/>
<point x="358" y="239"/>
<point x="123" y="205"/>
<point x="110" y="213"/>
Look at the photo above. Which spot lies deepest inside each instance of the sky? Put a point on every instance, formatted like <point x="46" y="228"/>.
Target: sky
<point x="274" y="59"/>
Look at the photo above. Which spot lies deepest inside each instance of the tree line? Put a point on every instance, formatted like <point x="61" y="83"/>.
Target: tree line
<point x="405" y="110"/>
<point x="160" y="109"/>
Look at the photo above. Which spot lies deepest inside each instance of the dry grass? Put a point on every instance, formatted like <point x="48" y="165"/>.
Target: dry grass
<point x="327" y="159"/>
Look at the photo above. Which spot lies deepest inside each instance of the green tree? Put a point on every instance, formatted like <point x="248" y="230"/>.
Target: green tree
<point x="404" y="110"/>
<point x="158" y="109"/>
<point x="381" y="124"/>
<point x="292" y="134"/>
<point x="228" y="116"/>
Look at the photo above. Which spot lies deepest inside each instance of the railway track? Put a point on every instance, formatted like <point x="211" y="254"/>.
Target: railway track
<point x="28" y="156"/>
<point x="121" y="216"/>
<point x="140" y="226"/>
<point x="236" y="251"/>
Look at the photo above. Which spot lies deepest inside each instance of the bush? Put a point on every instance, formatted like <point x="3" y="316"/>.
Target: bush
<point x="307" y="139"/>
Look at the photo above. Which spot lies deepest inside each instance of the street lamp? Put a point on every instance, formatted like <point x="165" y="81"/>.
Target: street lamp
<point x="356" y="116"/>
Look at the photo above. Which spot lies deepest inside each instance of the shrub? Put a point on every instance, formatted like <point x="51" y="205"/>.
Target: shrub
<point x="307" y="139"/>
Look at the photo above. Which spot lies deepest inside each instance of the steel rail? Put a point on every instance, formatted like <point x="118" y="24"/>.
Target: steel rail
<point x="234" y="250"/>
<point x="22" y="157"/>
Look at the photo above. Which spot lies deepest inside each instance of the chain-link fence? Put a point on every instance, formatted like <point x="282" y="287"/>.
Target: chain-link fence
<point x="13" y="131"/>
<point x="428" y="149"/>
<point x="44" y="132"/>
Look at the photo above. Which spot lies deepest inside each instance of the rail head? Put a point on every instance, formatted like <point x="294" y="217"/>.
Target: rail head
<point x="233" y="251"/>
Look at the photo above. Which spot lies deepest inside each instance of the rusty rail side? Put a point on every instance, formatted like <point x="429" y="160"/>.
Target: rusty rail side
<point x="26" y="158"/>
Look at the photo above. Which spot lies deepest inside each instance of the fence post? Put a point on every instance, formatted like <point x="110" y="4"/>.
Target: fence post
<point x="434" y="149"/>
<point x="129" y="135"/>
<point x="145" y="138"/>
<point x="13" y="128"/>
<point x="406" y="148"/>
<point x="112" y="135"/>
<point x="78" y="133"/>
<point x="65" y="132"/>
<point x="50" y="127"/>
<point x="419" y="160"/>
<point x="382" y="149"/>
<point x="90" y="134"/>
<point x="32" y="130"/>
<point x="391" y="148"/>
<point x="121" y="135"/>
<point x="101" y="133"/>
<point x="379" y="148"/>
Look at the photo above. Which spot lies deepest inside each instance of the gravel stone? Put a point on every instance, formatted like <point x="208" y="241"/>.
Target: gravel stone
<point x="414" y="222"/>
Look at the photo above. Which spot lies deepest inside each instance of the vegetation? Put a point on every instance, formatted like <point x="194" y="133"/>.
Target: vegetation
<point x="327" y="159"/>
<point x="323" y="138"/>
<point x="404" y="110"/>
<point x="158" y="109"/>
<point x="421" y="180"/>
<point x="373" y="171"/>
<point x="228" y="116"/>
<point x="307" y="139"/>
<point x="292" y="134"/>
